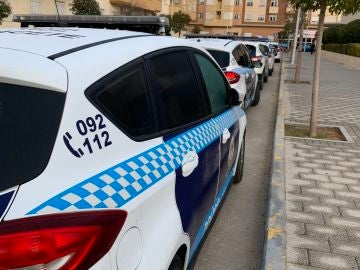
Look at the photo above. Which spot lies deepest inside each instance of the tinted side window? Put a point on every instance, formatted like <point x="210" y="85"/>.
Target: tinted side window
<point x="264" y="49"/>
<point x="239" y="56"/>
<point x="215" y="83"/>
<point x="29" y="123"/>
<point x="176" y="93"/>
<point x="127" y="104"/>
<point x="251" y="49"/>
<point x="246" y="56"/>
<point x="222" y="58"/>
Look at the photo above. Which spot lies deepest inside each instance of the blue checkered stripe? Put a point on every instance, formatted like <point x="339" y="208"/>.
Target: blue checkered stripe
<point x="123" y="182"/>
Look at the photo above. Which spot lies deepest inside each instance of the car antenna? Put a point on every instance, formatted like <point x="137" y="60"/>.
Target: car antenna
<point x="58" y="14"/>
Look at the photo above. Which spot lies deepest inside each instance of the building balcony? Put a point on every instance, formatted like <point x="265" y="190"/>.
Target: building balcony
<point x="154" y="5"/>
<point x="217" y="22"/>
<point x="273" y="10"/>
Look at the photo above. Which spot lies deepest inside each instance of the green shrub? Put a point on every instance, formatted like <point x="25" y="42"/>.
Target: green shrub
<point x="343" y="34"/>
<point x="352" y="32"/>
<point x="333" y="34"/>
<point x="352" y="49"/>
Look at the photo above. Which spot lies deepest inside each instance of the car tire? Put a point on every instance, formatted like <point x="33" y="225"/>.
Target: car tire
<point x="266" y="78"/>
<point x="256" y="96"/>
<point x="176" y="263"/>
<point x="271" y="72"/>
<point x="242" y="105"/>
<point x="240" y="164"/>
<point x="261" y="82"/>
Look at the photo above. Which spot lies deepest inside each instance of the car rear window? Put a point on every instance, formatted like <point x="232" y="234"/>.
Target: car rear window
<point x="252" y="50"/>
<point x="222" y="58"/>
<point x="29" y="122"/>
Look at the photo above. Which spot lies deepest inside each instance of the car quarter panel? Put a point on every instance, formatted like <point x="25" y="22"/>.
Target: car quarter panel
<point x="27" y="69"/>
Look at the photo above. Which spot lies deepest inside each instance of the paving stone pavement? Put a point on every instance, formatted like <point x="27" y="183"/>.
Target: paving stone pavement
<point x="323" y="177"/>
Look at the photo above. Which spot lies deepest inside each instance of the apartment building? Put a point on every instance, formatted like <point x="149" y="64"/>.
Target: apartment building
<point x="241" y="17"/>
<point x="107" y="7"/>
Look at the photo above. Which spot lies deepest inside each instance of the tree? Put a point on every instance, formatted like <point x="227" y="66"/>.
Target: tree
<point x="5" y="9"/>
<point x="178" y="21"/>
<point x="85" y="7"/>
<point x="196" y="29"/>
<point x="335" y="7"/>
<point x="300" y="47"/>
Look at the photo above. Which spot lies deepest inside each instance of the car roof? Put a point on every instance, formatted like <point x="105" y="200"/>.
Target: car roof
<point x="52" y="42"/>
<point x="217" y="44"/>
<point x="27" y="54"/>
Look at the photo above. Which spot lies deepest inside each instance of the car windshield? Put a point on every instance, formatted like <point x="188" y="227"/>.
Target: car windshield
<point x="251" y="49"/>
<point x="222" y="58"/>
<point x="29" y="122"/>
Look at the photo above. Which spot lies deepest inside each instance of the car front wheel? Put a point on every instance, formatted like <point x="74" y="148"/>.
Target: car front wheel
<point x="176" y="263"/>
<point x="261" y="82"/>
<point x="256" y="99"/>
<point x="240" y="164"/>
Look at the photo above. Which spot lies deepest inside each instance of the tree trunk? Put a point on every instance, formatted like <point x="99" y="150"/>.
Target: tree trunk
<point x="300" y="48"/>
<point x="295" y="36"/>
<point x="316" y="76"/>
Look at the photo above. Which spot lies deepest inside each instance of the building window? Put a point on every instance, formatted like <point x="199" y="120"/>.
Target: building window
<point x="274" y="3"/>
<point x="201" y="15"/>
<point x="218" y="14"/>
<point x="262" y="3"/>
<point x="273" y="18"/>
<point x="237" y="2"/>
<point x="201" y="2"/>
<point x="36" y="6"/>
<point x="249" y="3"/>
<point x="261" y="18"/>
<point x="176" y="2"/>
<point x="236" y="16"/>
<point x="248" y="17"/>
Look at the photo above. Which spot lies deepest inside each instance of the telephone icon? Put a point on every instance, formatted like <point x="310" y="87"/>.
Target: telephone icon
<point x="77" y="153"/>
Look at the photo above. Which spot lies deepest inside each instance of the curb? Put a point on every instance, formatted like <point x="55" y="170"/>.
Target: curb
<point x="274" y="244"/>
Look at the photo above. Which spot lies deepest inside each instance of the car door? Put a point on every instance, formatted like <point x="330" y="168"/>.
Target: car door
<point x="251" y="74"/>
<point x="265" y="56"/>
<point x="225" y="119"/>
<point x="184" y="117"/>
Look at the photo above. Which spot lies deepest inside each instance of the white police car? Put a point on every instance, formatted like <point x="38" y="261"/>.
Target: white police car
<point x="115" y="150"/>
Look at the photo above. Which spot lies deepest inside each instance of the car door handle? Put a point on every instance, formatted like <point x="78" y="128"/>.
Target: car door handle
<point x="247" y="75"/>
<point x="189" y="163"/>
<point x="225" y="136"/>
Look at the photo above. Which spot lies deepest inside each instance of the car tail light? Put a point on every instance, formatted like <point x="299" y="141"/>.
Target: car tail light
<point x="232" y="77"/>
<point x="59" y="241"/>
<point x="256" y="58"/>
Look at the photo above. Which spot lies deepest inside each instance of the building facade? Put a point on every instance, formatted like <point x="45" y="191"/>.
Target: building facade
<point x="107" y="7"/>
<point x="262" y="18"/>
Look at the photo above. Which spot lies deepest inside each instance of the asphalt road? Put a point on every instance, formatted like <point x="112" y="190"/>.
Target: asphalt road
<point x="237" y="236"/>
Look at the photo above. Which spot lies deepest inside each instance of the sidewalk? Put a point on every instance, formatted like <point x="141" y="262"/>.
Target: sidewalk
<point x="323" y="177"/>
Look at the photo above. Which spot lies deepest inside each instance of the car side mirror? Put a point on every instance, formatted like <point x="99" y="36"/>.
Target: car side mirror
<point x="233" y="97"/>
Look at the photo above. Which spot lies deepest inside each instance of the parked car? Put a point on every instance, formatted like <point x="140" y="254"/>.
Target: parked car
<point x="277" y="51"/>
<point x="233" y="58"/>
<point x="271" y="56"/>
<point x="260" y="59"/>
<point x="117" y="148"/>
<point x="306" y="47"/>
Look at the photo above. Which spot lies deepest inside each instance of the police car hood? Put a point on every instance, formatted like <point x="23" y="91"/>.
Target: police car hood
<point x="51" y="41"/>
